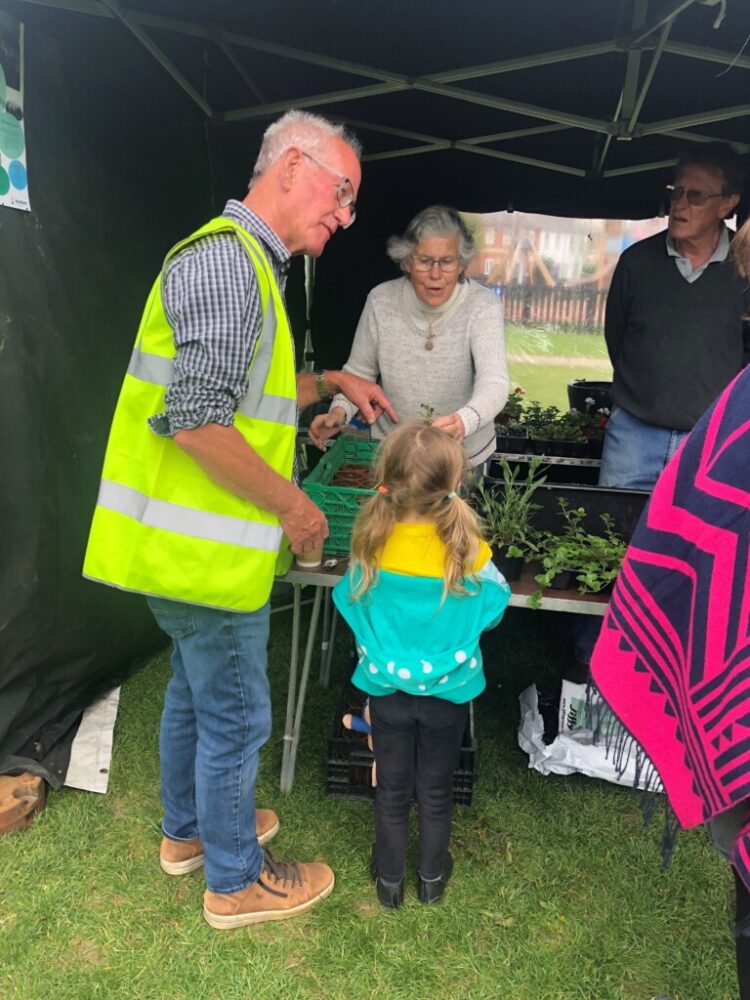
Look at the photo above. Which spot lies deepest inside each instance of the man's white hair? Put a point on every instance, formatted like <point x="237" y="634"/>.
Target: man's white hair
<point x="312" y="133"/>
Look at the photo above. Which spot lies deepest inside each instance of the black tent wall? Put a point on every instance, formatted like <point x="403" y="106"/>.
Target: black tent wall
<point x="116" y="174"/>
<point x="122" y="164"/>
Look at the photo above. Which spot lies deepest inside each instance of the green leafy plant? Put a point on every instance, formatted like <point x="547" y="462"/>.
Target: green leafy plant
<point x="508" y="508"/>
<point x="593" y="559"/>
<point x="563" y="429"/>
<point x="513" y="410"/>
<point x="535" y="416"/>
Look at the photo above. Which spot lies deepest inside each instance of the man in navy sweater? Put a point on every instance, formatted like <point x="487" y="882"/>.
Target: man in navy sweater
<point x="676" y="332"/>
<point x="675" y="326"/>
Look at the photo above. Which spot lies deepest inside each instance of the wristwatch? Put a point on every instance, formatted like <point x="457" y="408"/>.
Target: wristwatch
<point x="320" y="385"/>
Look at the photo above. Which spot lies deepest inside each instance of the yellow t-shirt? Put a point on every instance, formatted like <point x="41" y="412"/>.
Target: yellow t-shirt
<point x="416" y="550"/>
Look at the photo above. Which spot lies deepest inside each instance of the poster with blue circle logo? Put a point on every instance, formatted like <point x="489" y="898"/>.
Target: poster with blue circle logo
<point x="14" y="178"/>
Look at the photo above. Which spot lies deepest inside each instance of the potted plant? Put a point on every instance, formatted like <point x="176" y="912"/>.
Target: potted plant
<point x="582" y="390"/>
<point x="592" y="420"/>
<point x="562" y="436"/>
<point x="536" y="416"/>
<point x="508" y="511"/>
<point x="592" y="561"/>
<point x="511" y="434"/>
<point x="511" y="413"/>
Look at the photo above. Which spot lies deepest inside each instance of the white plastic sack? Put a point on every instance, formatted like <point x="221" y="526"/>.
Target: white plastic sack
<point x="570" y="751"/>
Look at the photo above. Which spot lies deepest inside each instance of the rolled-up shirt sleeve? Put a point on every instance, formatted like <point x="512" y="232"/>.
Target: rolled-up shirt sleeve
<point x="212" y="303"/>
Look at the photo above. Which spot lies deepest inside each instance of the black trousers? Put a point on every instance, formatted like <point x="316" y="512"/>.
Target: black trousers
<point x="416" y="742"/>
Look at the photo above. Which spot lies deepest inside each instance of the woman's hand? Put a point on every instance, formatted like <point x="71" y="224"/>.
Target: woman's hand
<point x="453" y="425"/>
<point x="326" y="425"/>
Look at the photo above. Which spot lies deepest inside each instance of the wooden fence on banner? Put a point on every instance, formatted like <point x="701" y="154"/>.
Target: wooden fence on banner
<point x="576" y="308"/>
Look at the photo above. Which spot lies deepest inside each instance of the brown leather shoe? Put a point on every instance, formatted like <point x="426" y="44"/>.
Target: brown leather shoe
<point x="178" y="857"/>
<point x="283" y="890"/>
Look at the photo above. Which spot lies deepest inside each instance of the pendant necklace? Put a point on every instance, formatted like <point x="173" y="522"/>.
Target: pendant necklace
<point x="430" y="338"/>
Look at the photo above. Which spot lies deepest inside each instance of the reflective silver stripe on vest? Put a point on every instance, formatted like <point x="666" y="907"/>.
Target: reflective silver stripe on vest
<point x="255" y="402"/>
<point x="158" y="370"/>
<point x="151" y="367"/>
<point x="186" y="521"/>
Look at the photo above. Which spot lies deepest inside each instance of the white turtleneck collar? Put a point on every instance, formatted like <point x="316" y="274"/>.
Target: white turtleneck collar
<point x="424" y="315"/>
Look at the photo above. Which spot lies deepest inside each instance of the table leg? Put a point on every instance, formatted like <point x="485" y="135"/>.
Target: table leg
<point x="325" y="661"/>
<point x="294" y="713"/>
<point x="326" y="627"/>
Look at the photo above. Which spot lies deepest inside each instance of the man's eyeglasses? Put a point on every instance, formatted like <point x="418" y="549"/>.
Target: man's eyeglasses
<point x="446" y="264"/>
<point x="693" y="195"/>
<point x="344" y="191"/>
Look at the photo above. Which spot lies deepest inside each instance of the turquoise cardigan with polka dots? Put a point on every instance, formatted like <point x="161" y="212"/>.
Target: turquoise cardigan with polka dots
<point x="408" y="641"/>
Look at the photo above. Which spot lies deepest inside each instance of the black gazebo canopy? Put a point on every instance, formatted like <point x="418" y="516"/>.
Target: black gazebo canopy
<point x="140" y="123"/>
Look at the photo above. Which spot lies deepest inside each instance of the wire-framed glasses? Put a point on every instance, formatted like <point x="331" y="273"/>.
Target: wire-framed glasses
<point x="694" y="195"/>
<point x="446" y="264"/>
<point x="344" y="191"/>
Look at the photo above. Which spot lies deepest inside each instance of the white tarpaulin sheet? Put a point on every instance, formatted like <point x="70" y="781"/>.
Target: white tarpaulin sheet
<point x="91" y="752"/>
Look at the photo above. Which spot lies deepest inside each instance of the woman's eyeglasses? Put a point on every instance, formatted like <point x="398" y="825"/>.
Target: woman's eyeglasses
<point x="693" y="195"/>
<point x="446" y="264"/>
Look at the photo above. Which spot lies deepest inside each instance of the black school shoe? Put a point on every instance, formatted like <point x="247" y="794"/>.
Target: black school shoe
<point x="430" y="892"/>
<point x="391" y="896"/>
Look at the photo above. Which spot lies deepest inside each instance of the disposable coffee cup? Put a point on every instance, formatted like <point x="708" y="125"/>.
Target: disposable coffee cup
<point x="311" y="558"/>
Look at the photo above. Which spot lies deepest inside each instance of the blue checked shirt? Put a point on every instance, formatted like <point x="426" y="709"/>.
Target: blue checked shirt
<point x="212" y="303"/>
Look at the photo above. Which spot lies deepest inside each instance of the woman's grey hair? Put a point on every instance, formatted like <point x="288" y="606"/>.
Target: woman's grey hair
<point x="437" y="220"/>
<point x="312" y="133"/>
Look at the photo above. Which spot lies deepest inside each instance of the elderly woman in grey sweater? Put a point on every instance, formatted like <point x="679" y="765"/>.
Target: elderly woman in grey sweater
<point x="432" y="338"/>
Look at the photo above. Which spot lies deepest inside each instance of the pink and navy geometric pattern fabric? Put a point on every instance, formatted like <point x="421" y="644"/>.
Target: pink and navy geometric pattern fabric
<point x="673" y="656"/>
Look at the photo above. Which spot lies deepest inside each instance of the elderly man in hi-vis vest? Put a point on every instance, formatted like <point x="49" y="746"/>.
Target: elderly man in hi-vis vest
<point x="198" y="493"/>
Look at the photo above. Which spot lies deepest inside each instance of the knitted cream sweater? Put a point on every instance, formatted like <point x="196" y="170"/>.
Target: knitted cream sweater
<point x="466" y="372"/>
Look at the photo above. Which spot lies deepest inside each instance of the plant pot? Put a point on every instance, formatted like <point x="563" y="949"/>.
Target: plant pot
<point x="509" y="444"/>
<point x="553" y="449"/>
<point x="563" y="580"/>
<point x="540" y="446"/>
<point x="509" y="566"/>
<point x="594" y="447"/>
<point x="576" y="449"/>
<point x="579" y="390"/>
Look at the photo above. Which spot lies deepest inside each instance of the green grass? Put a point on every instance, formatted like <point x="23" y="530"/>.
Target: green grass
<point x="558" y="893"/>
<point x="576" y="355"/>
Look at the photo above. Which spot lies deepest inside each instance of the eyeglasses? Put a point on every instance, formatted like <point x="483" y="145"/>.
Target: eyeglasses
<point x="344" y="191"/>
<point x="446" y="264"/>
<point x="693" y="195"/>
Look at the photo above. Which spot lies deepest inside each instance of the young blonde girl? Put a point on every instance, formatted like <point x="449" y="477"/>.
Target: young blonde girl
<point x="420" y="590"/>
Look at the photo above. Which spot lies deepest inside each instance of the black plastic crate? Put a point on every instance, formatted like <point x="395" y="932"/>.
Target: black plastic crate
<point x="349" y="760"/>
<point x="623" y="506"/>
<point x="563" y="471"/>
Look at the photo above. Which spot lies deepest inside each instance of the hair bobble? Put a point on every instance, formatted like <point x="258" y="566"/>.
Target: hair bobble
<point x="383" y="489"/>
<point x="452" y="495"/>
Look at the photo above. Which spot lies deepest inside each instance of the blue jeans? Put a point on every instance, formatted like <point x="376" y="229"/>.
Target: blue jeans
<point x="635" y="453"/>
<point x="217" y="716"/>
<point x="633" y="458"/>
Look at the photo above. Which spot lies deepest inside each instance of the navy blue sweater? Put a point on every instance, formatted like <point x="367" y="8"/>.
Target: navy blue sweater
<point x="674" y="345"/>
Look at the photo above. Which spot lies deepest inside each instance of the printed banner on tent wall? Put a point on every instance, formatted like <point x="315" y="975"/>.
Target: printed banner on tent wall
<point x="14" y="187"/>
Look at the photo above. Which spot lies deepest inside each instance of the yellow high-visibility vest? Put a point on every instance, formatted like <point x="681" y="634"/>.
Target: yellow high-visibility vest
<point x="162" y="526"/>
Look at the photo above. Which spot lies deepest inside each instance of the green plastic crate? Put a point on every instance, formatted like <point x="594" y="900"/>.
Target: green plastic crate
<point x="340" y="504"/>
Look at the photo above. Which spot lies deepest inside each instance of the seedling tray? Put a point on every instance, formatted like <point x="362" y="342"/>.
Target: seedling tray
<point x="340" y="504"/>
